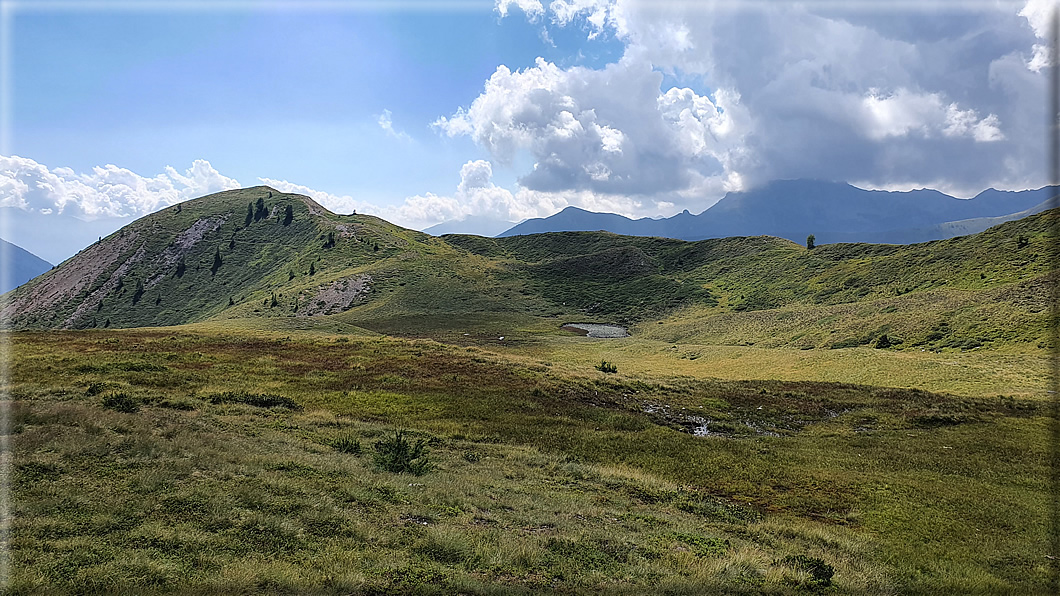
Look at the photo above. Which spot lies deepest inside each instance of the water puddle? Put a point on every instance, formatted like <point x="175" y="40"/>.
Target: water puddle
<point x="597" y="330"/>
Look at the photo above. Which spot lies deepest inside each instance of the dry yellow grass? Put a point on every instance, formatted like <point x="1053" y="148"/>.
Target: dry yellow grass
<point x="976" y="373"/>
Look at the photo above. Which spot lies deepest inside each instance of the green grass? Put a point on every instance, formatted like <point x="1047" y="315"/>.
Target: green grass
<point x="546" y="476"/>
<point x="963" y="293"/>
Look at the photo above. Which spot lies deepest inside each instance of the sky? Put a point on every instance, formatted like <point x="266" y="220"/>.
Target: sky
<point x="425" y="112"/>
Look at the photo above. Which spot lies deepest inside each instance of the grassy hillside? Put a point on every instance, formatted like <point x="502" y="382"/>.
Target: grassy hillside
<point x="209" y="259"/>
<point x="202" y="461"/>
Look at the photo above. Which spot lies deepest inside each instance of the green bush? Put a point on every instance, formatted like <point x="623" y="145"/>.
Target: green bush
<point x="398" y="455"/>
<point x="607" y="367"/>
<point x="120" y="402"/>
<point x="258" y="400"/>
<point x="347" y="444"/>
<point x="820" y="572"/>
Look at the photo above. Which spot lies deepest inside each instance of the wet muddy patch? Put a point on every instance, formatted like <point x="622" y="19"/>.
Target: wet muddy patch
<point x="737" y="420"/>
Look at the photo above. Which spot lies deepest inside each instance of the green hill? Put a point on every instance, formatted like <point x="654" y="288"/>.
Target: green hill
<point x="257" y="253"/>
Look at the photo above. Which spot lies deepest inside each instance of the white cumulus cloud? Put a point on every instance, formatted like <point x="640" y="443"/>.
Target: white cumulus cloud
<point x="476" y="194"/>
<point x="106" y="191"/>
<point x="532" y="8"/>
<point x="342" y="204"/>
<point x="1038" y="14"/>
<point x="905" y="113"/>
<point x="767" y="91"/>
<point x="608" y="131"/>
<point x="386" y="122"/>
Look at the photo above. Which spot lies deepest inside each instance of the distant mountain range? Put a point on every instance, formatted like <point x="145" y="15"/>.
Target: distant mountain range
<point x="19" y="266"/>
<point x="831" y="211"/>
<point x="473" y="224"/>
<point x="56" y="237"/>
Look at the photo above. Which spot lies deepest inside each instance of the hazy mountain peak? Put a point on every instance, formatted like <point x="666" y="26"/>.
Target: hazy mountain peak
<point x="794" y="208"/>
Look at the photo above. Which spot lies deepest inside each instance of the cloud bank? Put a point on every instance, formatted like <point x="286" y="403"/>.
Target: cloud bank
<point x="105" y="192"/>
<point x="709" y="97"/>
<point x="113" y="193"/>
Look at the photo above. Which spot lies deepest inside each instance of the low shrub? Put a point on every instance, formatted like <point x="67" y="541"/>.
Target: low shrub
<point x="121" y="402"/>
<point x="607" y="367"/>
<point x="399" y="455"/>
<point x="258" y="400"/>
<point x="820" y="572"/>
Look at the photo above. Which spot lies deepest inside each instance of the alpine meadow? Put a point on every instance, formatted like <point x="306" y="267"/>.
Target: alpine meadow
<point x="247" y="393"/>
<point x="520" y="297"/>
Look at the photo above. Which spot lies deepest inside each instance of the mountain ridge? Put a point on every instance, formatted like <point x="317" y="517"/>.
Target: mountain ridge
<point x="20" y="266"/>
<point x="282" y="259"/>
<point x="794" y="209"/>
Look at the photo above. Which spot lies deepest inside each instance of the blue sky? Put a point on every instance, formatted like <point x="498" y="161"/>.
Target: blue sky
<point x="508" y="109"/>
<point x="281" y="94"/>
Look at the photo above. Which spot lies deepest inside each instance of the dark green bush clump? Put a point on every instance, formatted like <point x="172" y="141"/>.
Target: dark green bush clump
<point x="347" y="444"/>
<point x="258" y="400"/>
<point x="820" y="572"/>
<point x="607" y="367"/>
<point x="120" y="402"/>
<point x="398" y="455"/>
